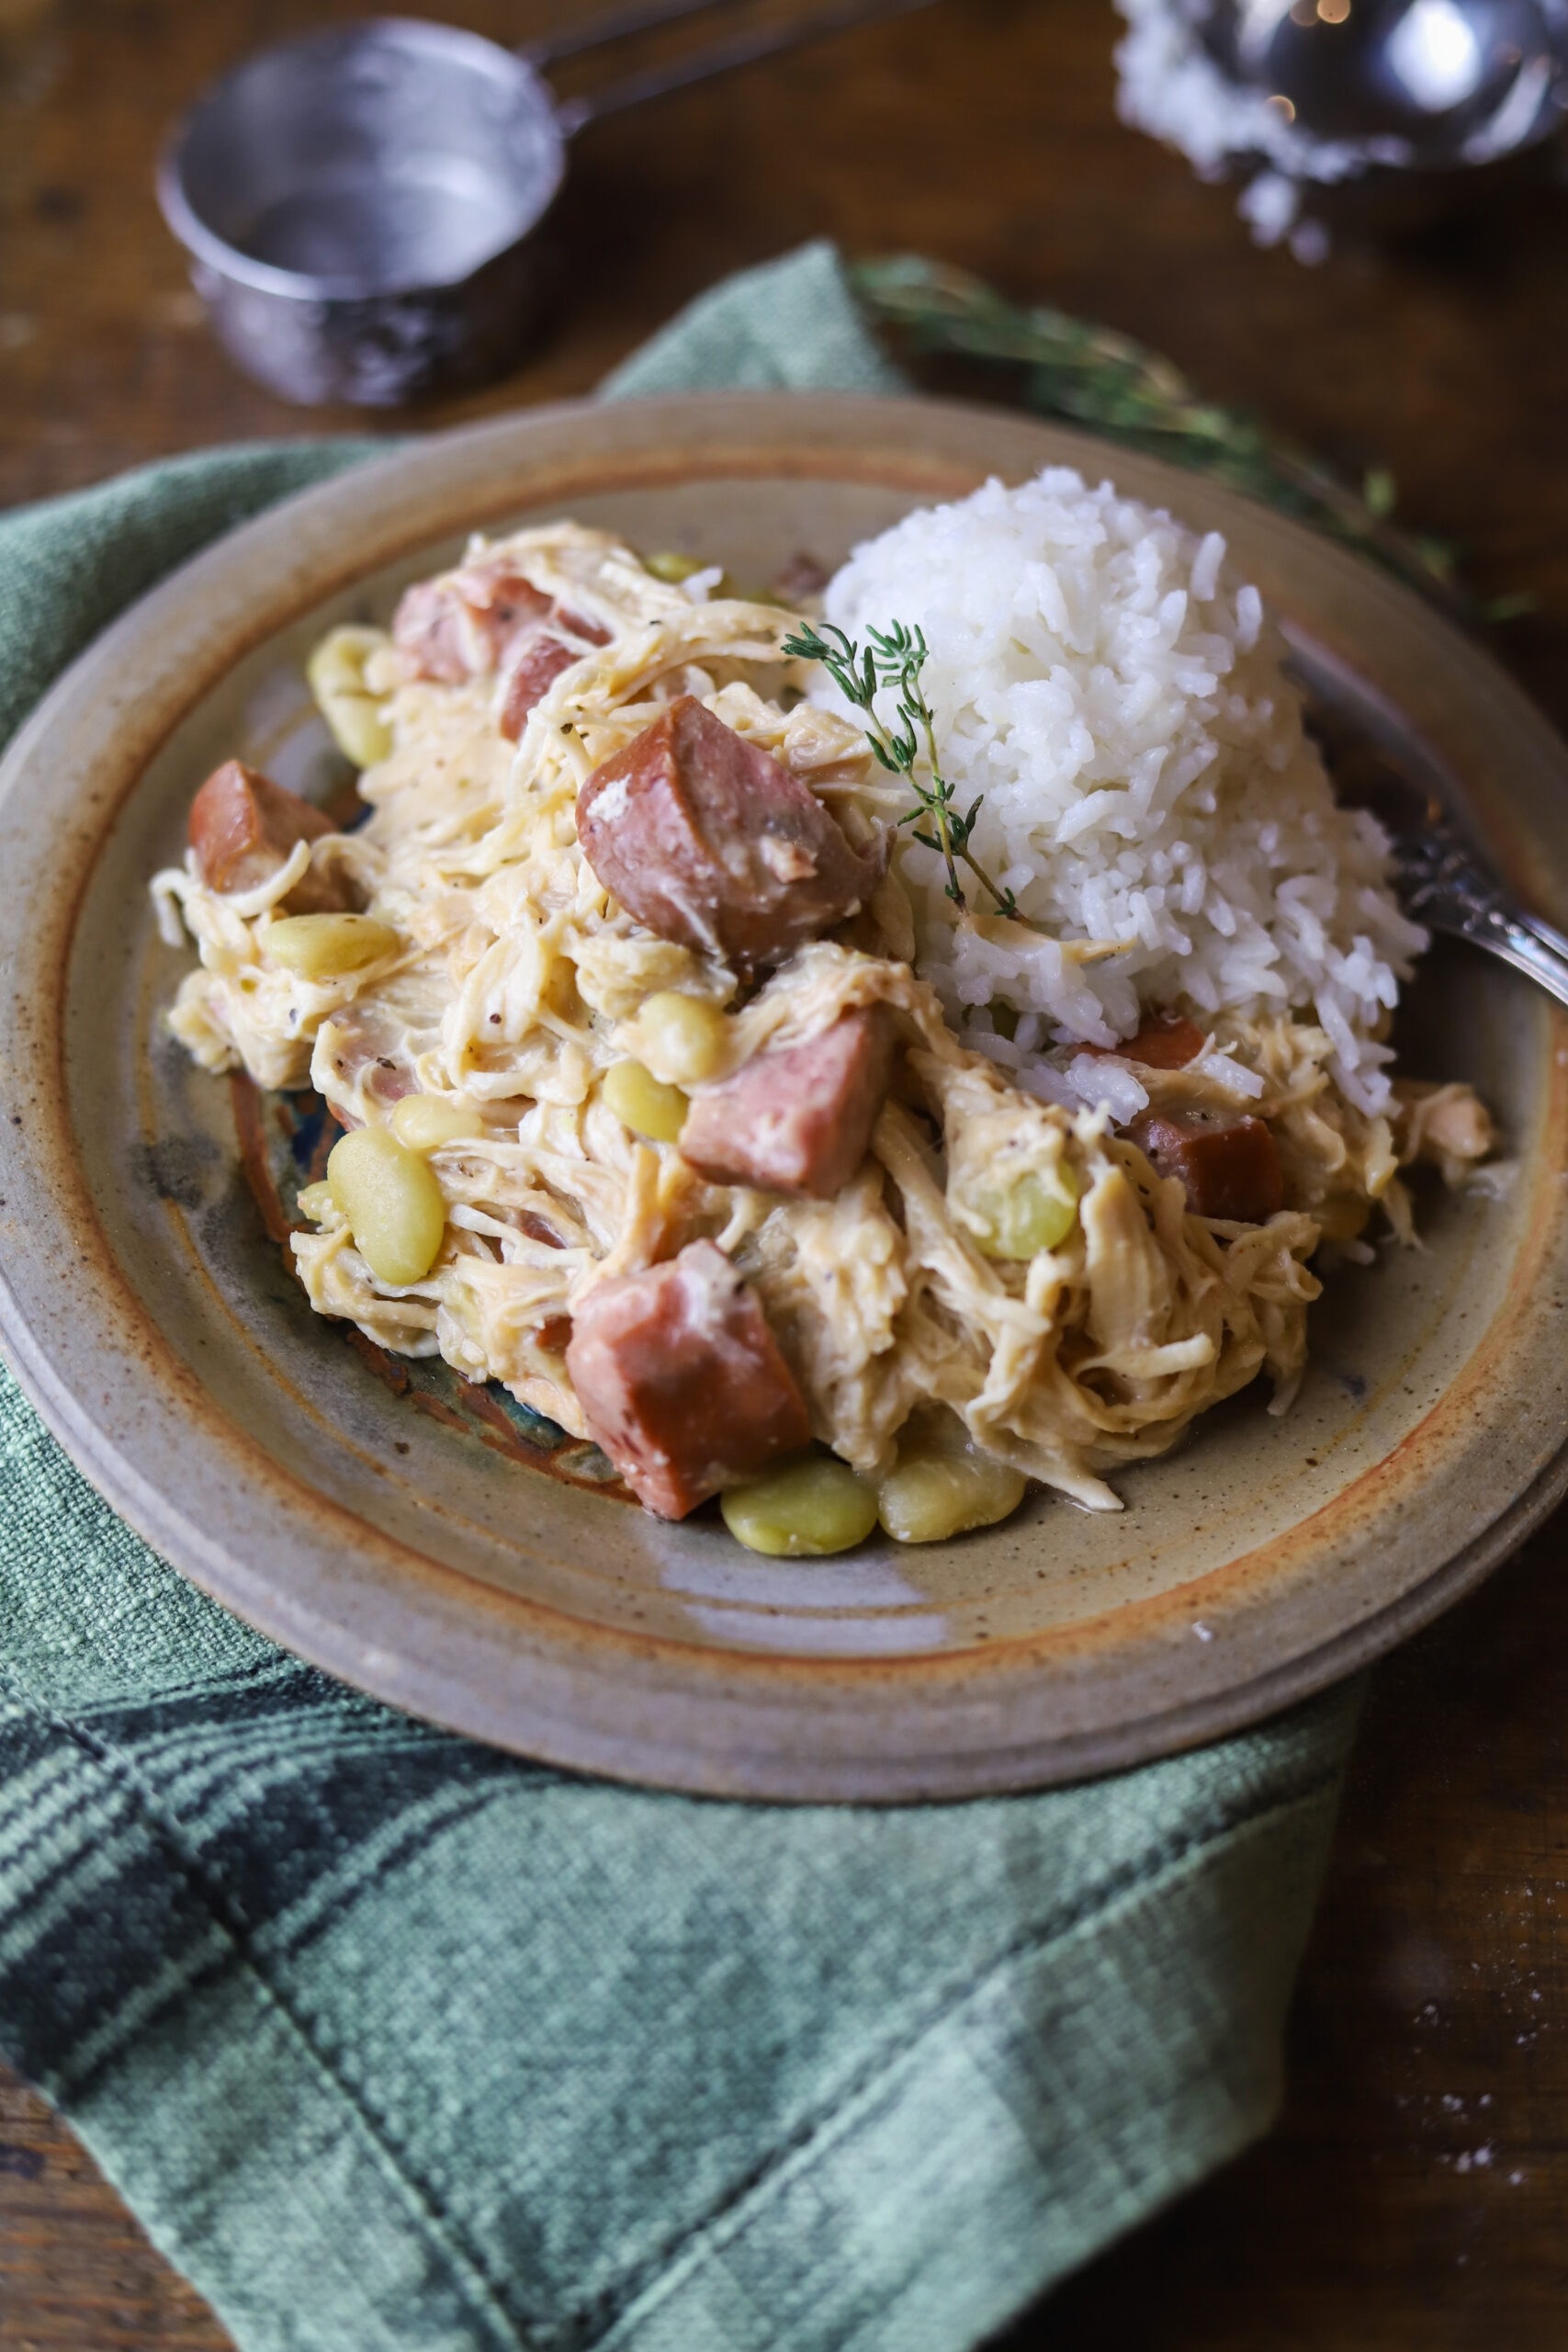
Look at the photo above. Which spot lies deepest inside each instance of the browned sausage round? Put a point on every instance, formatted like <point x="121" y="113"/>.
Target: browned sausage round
<point x="460" y="627"/>
<point x="1163" y="1041"/>
<point x="708" y="841"/>
<point x="241" y="827"/>
<point x="681" y="1381"/>
<point x="798" y="1119"/>
<point x="1230" y="1167"/>
<point x="541" y="664"/>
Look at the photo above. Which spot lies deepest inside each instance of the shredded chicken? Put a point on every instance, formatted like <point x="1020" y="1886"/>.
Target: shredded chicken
<point x="517" y="982"/>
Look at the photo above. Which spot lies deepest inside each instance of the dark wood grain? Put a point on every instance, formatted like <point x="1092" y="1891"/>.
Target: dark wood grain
<point x="1414" y="2193"/>
<point x="76" y="2272"/>
<point x="1412" y="2197"/>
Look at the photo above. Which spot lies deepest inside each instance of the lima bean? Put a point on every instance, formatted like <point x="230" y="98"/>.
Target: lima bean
<point x="931" y="1495"/>
<point x="669" y="565"/>
<point x="642" y="1103"/>
<point x="321" y="947"/>
<point x="391" y="1202"/>
<point x="1036" y="1213"/>
<point x="424" y="1122"/>
<point x="685" y="1035"/>
<point x="335" y="671"/>
<point x="806" y="1508"/>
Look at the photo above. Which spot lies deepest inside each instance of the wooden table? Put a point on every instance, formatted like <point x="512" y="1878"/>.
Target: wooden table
<point x="1414" y="2192"/>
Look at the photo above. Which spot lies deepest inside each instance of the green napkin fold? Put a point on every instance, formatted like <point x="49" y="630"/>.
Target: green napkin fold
<point x="399" y="2044"/>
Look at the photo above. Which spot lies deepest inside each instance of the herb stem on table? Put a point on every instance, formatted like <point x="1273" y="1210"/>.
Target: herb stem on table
<point x="894" y="658"/>
<point x="1100" y="379"/>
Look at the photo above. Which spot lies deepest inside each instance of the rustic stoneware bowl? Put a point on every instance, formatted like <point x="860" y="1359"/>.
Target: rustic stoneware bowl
<point x="151" y="1317"/>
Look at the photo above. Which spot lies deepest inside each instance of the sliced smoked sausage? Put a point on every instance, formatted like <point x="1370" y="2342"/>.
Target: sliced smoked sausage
<point x="798" y="1118"/>
<point x="241" y="827"/>
<point x="1229" y="1166"/>
<point x="710" y="841"/>
<point x="1163" y="1041"/>
<point x="465" y="624"/>
<point x="681" y="1381"/>
<point x="538" y="669"/>
<point x="485" y="617"/>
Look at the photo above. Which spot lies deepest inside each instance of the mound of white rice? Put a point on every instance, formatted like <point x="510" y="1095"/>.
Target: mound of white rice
<point x="1119" y="701"/>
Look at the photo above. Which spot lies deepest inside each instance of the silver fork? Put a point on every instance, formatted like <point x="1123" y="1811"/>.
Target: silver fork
<point x="1441" y="880"/>
<point x="1442" y="883"/>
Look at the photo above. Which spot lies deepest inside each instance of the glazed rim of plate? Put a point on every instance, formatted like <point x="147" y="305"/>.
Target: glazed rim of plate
<point x="1350" y="1576"/>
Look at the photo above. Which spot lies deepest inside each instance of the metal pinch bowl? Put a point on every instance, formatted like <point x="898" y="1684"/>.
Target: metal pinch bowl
<point x="1421" y="84"/>
<point x="363" y="208"/>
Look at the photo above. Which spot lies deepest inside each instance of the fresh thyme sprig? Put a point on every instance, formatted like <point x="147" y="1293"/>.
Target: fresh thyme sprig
<point x="895" y="657"/>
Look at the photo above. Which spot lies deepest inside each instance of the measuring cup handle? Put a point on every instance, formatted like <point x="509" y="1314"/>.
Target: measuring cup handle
<point x="744" y="48"/>
<point x="642" y="17"/>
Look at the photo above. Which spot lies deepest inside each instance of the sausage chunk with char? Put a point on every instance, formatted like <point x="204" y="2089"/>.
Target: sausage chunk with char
<point x="1163" y="1041"/>
<point x="536" y="673"/>
<point x="681" y="1381"/>
<point x="243" y="827"/>
<point x="539" y="662"/>
<point x="1230" y="1167"/>
<point x="488" y="617"/>
<point x="708" y="841"/>
<point x="798" y="1118"/>
<point x="460" y="627"/>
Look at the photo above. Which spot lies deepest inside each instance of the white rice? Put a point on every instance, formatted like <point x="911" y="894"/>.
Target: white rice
<point x="1118" y="698"/>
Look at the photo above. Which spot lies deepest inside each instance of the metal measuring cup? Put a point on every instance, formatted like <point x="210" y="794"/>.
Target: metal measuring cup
<point x="363" y="208"/>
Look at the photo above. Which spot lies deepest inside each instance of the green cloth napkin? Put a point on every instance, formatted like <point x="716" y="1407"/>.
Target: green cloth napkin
<point x="399" y="2044"/>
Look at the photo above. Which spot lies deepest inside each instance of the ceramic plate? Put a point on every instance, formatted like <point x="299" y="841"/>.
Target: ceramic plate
<point x="403" y="1545"/>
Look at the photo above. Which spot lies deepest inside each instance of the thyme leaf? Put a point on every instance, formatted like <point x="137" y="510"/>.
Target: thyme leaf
<point x="892" y="660"/>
